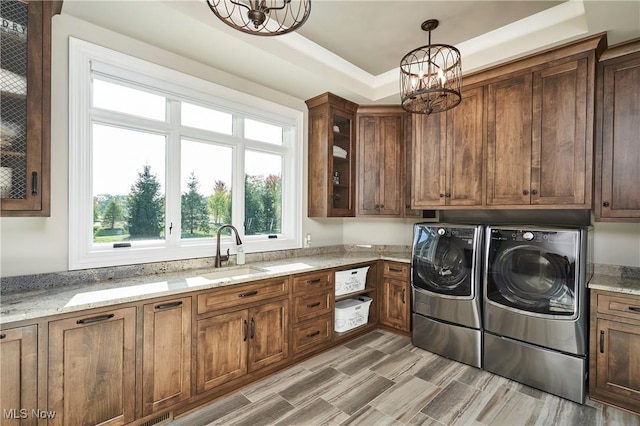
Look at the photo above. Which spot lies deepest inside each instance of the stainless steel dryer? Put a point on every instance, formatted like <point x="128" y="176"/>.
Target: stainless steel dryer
<point x="446" y="282"/>
<point x="535" y="307"/>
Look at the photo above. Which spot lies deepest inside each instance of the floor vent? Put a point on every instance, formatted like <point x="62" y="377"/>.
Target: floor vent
<point x="158" y="420"/>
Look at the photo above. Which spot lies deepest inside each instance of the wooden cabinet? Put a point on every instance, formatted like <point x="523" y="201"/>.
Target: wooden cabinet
<point x="313" y="306"/>
<point x="331" y="157"/>
<point x="448" y="157"/>
<point x="370" y="290"/>
<point x="166" y="354"/>
<point x="232" y="344"/>
<point x="92" y="364"/>
<point x="618" y="135"/>
<point x="25" y="100"/>
<point x="380" y="163"/>
<point x="395" y="296"/>
<point x="615" y="349"/>
<point x="19" y="373"/>
<point x="539" y="142"/>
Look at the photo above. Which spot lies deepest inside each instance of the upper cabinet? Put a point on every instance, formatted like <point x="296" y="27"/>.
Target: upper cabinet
<point x="617" y="195"/>
<point x="331" y="190"/>
<point x="25" y="70"/>
<point x="380" y="165"/>
<point x="448" y="155"/>
<point x="538" y="136"/>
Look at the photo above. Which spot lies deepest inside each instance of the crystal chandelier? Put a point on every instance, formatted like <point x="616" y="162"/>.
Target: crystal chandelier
<point x="430" y="76"/>
<point x="262" y="17"/>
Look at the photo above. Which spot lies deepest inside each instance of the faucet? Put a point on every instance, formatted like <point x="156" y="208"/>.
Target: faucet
<point x="219" y="257"/>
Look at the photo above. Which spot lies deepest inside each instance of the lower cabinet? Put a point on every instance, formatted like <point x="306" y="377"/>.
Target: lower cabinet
<point x="615" y="350"/>
<point x="233" y="344"/>
<point x="92" y="365"/>
<point x="313" y="304"/>
<point x="166" y="354"/>
<point x="395" y="294"/>
<point x="19" y="373"/>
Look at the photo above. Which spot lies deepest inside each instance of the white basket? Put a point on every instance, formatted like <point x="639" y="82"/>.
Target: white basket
<point x="351" y="280"/>
<point x="351" y="313"/>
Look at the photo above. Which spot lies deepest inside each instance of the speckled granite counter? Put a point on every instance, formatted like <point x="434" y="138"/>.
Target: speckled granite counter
<point x="615" y="283"/>
<point x="39" y="303"/>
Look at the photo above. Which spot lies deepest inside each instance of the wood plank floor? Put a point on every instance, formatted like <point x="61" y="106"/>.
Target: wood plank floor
<point x="381" y="379"/>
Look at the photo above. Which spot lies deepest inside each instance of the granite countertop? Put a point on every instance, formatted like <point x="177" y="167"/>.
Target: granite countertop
<point x="36" y="304"/>
<point x="615" y="284"/>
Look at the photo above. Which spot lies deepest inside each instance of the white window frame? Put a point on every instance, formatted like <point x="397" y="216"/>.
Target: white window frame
<point x="85" y="59"/>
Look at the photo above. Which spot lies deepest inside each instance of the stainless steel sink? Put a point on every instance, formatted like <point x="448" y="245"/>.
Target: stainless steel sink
<point x="233" y="273"/>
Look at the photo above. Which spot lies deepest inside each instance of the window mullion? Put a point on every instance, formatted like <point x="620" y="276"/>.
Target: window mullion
<point x="173" y="194"/>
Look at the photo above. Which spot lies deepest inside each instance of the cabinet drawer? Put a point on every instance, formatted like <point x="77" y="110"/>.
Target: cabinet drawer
<point x="396" y="270"/>
<point x="627" y="306"/>
<point x="313" y="282"/>
<point x="239" y="294"/>
<point x="307" y="306"/>
<point x="312" y="334"/>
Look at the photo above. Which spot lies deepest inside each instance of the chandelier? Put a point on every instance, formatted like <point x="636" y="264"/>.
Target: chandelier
<point x="430" y="76"/>
<point x="262" y="17"/>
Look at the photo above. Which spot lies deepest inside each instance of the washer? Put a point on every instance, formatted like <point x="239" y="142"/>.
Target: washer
<point x="535" y="307"/>
<point x="446" y="283"/>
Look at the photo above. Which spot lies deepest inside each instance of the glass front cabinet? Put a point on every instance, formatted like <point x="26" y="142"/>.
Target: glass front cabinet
<point x="25" y="105"/>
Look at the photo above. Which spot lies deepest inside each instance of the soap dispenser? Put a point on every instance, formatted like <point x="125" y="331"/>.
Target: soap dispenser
<point x="240" y="255"/>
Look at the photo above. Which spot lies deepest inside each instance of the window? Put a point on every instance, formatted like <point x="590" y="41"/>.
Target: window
<point x="160" y="160"/>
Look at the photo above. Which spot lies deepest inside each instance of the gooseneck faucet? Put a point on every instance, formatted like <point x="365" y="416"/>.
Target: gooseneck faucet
<point x="219" y="257"/>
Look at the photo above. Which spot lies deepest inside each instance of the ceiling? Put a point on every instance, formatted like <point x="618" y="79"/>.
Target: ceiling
<point x="353" y="48"/>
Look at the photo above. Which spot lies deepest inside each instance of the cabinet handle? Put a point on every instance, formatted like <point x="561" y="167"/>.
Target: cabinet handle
<point x="377" y="206"/>
<point x="605" y="204"/>
<point x="448" y="195"/>
<point x="168" y="305"/>
<point x="601" y="341"/>
<point x="313" y="305"/>
<point x="395" y="270"/>
<point x="95" y="319"/>
<point x="441" y="195"/>
<point x="525" y="192"/>
<point x="34" y="183"/>
<point x="253" y="328"/>
<point x="2" y="336"/>
<point x="248" y="294"/>
<point x="315" y="281"/>
<point x="534" y="192"/>
<point x="315" y="333"/>
<point x="634" y="309"/>
<point x="404" y="291"/>
<point x="246" y="331"/>
<point x="382" y="206"/>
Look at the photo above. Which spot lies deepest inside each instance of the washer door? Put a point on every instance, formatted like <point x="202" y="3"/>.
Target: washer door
<point x="531" y="278"/>
<point x="443" y="263"/>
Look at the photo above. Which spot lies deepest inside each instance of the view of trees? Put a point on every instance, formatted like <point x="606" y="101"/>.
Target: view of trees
<point x="140" y="214"/>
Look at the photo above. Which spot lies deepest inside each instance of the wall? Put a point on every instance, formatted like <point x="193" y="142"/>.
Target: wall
<point x="40" y="245"/>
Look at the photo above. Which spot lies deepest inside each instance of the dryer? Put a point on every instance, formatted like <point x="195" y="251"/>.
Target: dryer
<point x="445" y="284"/>
<point x="535" y="307"/>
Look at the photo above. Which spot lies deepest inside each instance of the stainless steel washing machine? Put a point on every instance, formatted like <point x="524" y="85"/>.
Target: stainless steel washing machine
<point x="446" y="282"/>
<point x="536" y="307"/>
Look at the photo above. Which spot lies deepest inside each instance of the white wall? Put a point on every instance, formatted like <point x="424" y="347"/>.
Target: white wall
<point x="40" y="245"/>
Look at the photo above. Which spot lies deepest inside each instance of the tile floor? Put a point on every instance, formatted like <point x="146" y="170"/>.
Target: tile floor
<point x="381" y="379"/>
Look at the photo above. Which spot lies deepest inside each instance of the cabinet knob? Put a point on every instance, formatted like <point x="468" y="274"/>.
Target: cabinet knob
<point x="605" y="204"/>
<point x="377" y="206"/>
<point x="441" y="195"/>
<point x="525" y="192"/>
<point x="382" y="206"/>
<point x="448" y="195"/>
<point x="534" y="192"/>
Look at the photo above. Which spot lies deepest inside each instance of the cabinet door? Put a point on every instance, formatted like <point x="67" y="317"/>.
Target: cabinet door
<point x="429" y="162"/>
<point x="92" y="369"/>
<point x="268" y="334"/>
<point x="319" y="190"/>
<point x="369" y="173"/>
<point x="25" y="104"/>
<point x="465" y="146"/>
<point x="561" y="157"/>
<point x="618" y="360"/>
<point x="166" y="364"/>
<point x="509" y="141"/>
<point x="221" y="349"/>
<point x="395" y="305"/>
<point x="19" y="372"/>
<point x="620" y="192"/>
<point x="342" y="193"/>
